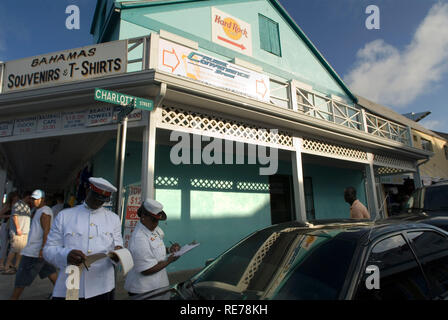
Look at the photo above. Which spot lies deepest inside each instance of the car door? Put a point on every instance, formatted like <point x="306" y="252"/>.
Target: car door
<point x="431" y="248"/>
<point x="400" y="276"/>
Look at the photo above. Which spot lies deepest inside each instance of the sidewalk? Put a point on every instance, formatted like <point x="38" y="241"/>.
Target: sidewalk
<point x="41" y="289"/>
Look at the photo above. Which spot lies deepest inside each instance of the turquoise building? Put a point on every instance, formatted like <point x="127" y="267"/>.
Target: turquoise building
<point x="238" y="90"/>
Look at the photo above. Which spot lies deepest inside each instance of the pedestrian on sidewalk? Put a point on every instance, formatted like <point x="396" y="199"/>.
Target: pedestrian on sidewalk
<point x="19" y="228"/>
<point x="59" y="197"/>
<point x="32" y="262"/>
<point x="84" y="230"/>
<point x="5" y="214"/>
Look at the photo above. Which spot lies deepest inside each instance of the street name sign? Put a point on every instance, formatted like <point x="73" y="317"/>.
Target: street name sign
<point x="123" y="99"/>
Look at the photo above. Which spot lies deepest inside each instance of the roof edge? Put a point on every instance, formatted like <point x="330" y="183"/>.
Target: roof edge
<point x="313" y="48"/>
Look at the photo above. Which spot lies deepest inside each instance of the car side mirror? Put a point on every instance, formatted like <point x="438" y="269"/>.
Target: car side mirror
<point x="208" y="261"/>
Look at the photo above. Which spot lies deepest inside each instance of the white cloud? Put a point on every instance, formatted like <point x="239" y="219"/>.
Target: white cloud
<point x="434" y="125"/>
<point x="387" y="75"/>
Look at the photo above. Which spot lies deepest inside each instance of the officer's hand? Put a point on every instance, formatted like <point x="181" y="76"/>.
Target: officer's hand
<point x="175" y="247"/>
<point x="76" y="257"/>
<point x="172" y="258"/>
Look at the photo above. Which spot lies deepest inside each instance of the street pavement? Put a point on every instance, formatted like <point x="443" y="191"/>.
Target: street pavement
<point x="41" y="288"/>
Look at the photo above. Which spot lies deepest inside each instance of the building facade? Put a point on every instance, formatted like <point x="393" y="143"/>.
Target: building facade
<point x="251" y="126"/>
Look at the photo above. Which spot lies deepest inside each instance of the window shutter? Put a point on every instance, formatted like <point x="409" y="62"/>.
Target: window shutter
<point x="269" y="35"/>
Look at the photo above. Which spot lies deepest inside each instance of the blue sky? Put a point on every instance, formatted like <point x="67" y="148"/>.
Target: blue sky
<point x="403" y="65"/>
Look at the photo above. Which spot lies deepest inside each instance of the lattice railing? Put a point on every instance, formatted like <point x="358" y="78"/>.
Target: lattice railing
<point x="387" y="129"/>
<point x="211" y="184"/>
<point x="318" y="147"/>
<point x="252" y="186"/>
<point x="324" y="108"/>
<point x="166" y="181"/>
<point x="175" y="118"/>
<point x="393" y="163"/>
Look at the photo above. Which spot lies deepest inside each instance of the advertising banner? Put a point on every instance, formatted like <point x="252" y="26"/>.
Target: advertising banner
<point x="74" y="119"/>
<point x="131" y="218"/>
<point x="49" y="122"/>
<point x="100" y="115"/>
<point x="186" y="62"/>
<point x="25" y="126"/>
<point x="51" y="69"/>
<point x="6" y="128"/>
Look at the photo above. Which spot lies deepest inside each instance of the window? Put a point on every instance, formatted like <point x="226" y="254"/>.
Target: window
<point x="269" y="35"/>
<point x="400" y="276"/>
<point x="415" y="138"/>
<point x="432" y="251"/>
<point x="445" y="148"/>
<point x="426" y="145"/>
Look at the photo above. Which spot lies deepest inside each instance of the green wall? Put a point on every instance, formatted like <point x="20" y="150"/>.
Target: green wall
<point x="192" y="20"/>
<point x="218" y="205"/>
<point x="329" y="184"/>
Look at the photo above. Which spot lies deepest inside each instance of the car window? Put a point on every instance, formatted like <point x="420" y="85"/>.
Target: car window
<point x="400" y="275"/>
<point x="287" y="264"/>
<point x="321" y="275"/>
<point x="432" y="251"/>
<point x="436" y="198"/>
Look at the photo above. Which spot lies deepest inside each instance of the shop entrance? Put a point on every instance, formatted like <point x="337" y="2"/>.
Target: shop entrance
<point x="281" y="196"/>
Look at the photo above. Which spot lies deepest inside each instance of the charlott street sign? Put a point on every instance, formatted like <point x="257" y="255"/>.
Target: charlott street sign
<point x="123" y="100"/>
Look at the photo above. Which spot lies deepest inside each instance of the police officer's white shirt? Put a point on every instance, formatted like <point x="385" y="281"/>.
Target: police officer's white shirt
<point x="35" y="237"/>
<point x="91" y="231"/>
<point x="147" y="249"/>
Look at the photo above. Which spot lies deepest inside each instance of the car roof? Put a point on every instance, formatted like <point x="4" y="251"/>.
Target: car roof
<point x="352" y="230"/>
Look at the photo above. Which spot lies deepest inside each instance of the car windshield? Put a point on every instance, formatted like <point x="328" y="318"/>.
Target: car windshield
<point x="433" y="199"/>
<point x="284" y="264"/>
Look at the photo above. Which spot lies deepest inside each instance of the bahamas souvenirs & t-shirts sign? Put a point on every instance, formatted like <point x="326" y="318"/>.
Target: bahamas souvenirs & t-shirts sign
<point x="189" y="63"/>
<point x="89" y="62"/>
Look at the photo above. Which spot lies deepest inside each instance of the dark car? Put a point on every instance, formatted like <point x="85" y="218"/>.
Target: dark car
<point x="432" y="200"/>
<point x="325" y="262"/>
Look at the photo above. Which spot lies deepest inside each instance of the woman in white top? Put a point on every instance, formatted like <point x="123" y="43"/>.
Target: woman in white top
<point x="148" y="251"/>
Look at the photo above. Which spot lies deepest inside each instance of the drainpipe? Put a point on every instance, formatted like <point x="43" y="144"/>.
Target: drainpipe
<point x="417" y="178"/>
<point x="160" y="96"/>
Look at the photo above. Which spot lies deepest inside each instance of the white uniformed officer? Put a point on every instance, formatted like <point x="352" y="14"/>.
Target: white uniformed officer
<point x="148" y="251"/>
<point x="84" y="230"/>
